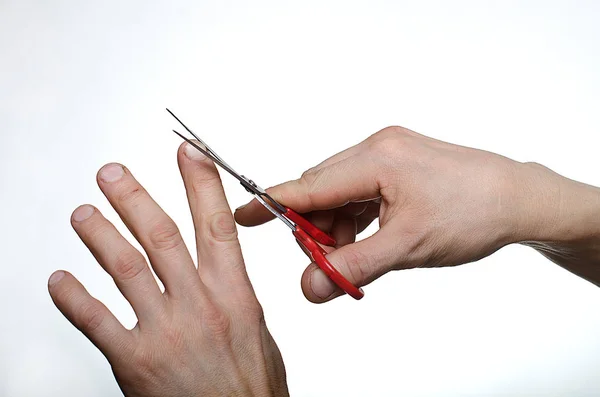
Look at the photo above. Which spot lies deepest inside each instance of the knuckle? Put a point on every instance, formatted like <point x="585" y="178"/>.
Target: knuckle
<point x="310" y="184"/>
<point x="129" y="265"/>
<point x="357" y="266"/>
<point x="216" y="323"/>
<point x="91" y="317"/>
<point x="250" y="316"/>
<point x="144" y="361"/>
<point x="254" y="312"/>
<point x="389" y="140"/>
<point x="131" y="194"/>
<point x="222" y="227"/>
<point x="393" y="131"/>
<point x="248" y="310"/>
<point x="174" y="338"/>
<point x="309" y="173"/>
<point x="205" y="179"/>
<point x="164" y="236"/>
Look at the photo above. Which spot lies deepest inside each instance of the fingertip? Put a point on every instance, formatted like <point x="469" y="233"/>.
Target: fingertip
<point x="60" y="287"/>
<point x="252" y="214"/>
<point x="55" y="278"/>
<point x="305" y="286"/>
<point x="82" y="213"/>
<point x="181" y="151"/>
<point x="87" y="314"/>
<point x="110" y="172"/>
<point x="240" y="214"/>
<point x="317" y="287"/>
<point x="192" y="153"/>
<point x="182" y="147"/>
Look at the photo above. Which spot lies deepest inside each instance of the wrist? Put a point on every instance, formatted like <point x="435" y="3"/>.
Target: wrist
<point x="555" y="209"/>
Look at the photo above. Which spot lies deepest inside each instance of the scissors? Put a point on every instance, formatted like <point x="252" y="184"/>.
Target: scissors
<point x="307" y="234"/>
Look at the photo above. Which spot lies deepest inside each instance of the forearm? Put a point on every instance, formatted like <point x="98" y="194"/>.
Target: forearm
<point x="562" y="220"/>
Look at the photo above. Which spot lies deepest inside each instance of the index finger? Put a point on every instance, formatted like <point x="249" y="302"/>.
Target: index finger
<point x="351" y="179"/>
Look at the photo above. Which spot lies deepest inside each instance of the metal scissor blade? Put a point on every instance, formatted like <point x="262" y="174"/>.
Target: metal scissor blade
<point x="218" y="161"/>
<point x="214" y="156"/>
<point x="248" y="184"/>
<point x="208" y="149"/>
<point x="273" y="211"/>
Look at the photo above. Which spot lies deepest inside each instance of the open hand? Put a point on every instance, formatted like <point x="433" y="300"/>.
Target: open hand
<point x="206" y="334"/>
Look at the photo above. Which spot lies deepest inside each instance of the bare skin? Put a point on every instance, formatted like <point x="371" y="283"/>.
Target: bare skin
<point x="206" y="334"/>
<point x="438" y="204"/>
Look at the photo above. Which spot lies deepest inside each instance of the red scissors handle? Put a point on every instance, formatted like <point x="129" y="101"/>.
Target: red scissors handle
<point x="309" y="228"/>
<point x="318" y="255"/>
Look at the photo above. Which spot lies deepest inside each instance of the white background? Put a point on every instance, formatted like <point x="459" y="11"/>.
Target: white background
<point x="275" y="88"/>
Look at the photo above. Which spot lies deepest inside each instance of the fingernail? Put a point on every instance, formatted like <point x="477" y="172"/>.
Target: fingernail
<point x="111" y="172"/>
<point x="82" y="213"/>
<point x="193" y="154"/>
<point x="241" y="207"/>
<point x="55" y="277"/>
<point x="321" y="285"/>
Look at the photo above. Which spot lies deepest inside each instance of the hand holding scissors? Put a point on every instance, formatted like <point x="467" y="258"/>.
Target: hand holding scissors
<point x="307" y="234"/>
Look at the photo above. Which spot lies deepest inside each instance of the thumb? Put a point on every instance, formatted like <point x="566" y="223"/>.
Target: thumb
<point x="360" y="262"/>
<point x="332" y="186"/>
